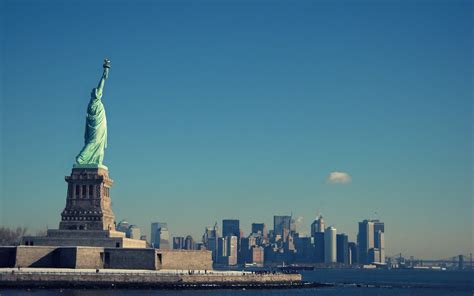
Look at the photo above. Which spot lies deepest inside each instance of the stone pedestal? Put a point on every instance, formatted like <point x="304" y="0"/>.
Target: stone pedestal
<point x="88" y="202"/>
<point x="87" y="219"/>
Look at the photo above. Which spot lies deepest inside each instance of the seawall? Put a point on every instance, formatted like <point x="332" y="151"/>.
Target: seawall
<point x="88" y="278"/>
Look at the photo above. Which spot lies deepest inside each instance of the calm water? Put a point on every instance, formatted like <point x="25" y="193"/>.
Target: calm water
<point x="381" y="282"/>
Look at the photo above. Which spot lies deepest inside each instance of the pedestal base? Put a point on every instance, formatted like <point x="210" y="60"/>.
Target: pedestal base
<point x="85" y="238"/>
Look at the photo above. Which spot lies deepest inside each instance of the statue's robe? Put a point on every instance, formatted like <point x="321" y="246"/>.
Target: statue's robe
<point x="95" y="137"/>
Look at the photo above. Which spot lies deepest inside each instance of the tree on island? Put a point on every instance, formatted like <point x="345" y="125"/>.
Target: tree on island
<point x="10" y="237"/>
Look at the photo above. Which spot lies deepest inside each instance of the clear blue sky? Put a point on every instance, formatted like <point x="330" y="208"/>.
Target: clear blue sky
<point x="241" y="109"/>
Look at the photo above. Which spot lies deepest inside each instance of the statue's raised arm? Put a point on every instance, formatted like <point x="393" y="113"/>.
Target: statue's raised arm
<point x="95" y="136"/>
<point x="105" y="75"/>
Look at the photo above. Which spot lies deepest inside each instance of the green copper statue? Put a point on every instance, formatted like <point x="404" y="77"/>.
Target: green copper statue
<point x="95" y="137"/>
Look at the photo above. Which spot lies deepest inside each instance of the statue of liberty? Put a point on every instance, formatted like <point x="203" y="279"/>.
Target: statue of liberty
<point x="95" y="137"/>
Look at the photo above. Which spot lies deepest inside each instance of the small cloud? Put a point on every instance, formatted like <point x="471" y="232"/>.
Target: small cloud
<point x="339" y="178"/>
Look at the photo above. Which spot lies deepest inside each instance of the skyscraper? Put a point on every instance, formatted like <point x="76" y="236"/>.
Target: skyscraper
<point x="160" y="237"/>
<point x="178" y="242"/>
<point x="231" y="244"/>
<point x="365" y="240"/>
<point x="260" y="228"/>
<point x="319" y="247"/>
<point x="189" y="243"/>
<point x="330" y="245"/>
<point x="317" y="225"/>
<point x="381" y="245"/>
<point x="209" y="233"/>
<point x="342" y="246"/>
<point x="230" y="227"/>
<point x="379" y="239"/>
<point x="283" y="226"/>
<point x="352" y="253"/>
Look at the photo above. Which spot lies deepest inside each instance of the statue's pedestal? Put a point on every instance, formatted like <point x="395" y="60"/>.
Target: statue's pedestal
<point x="87" y="219"/>
<point x="88" y="202"/>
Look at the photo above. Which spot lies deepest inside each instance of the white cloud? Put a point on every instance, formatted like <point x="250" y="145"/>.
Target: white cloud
<point x="339" y="178"/>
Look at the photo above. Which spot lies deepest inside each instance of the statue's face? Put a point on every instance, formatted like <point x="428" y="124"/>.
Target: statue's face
<point x="93" y="93"/>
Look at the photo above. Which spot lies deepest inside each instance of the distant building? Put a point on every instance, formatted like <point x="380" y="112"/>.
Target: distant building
<point x="365" y="240"/>
<point x="342" y="246"/>
<point x="209" y="233"/>
<point x="352" y="253"/>
<point x="189" y="243"/>
<point x="381" y="245"/>
<point x="122" y="226"/>
<point x="379" y="239"/>
<point x="330" y="245"/>
<point x="212" y="245"/>
<point x="317" y="225"/>
<point x="257" y="255"/>
<point x="371" y="236"/>
<point x="304" y="249"/>
<point x="246" y="244"/>
<point x="231" y="244"/>
<point x="160" y="237"/>
<point x="319" y="247"/>
<point x="230" y="227"/>
<point x="133" y="232"/>
<point x="260" y="228"/>
<point x="221" y="251"/>
<point x="178" y="242"/>
<point x="283" y="226"/>
<point x="374" y="255"/>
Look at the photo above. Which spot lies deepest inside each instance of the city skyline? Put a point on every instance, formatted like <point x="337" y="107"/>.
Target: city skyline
<point x="220" y="111"/>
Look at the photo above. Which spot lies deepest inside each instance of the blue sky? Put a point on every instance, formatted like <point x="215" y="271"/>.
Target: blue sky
<point x="242" y="109"/>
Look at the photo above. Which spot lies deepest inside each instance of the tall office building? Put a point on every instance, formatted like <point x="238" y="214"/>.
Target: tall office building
<point x="365" y="240"/>
<point x="319" y="247"/>
<point x="221" y="256"/>
<point x="209" y="233"/>
<point x="189" y="243"/>
<point x="352" y="253"/>
<point x="260" y="228"/>
<point x="379" y="242"/>
<point x="231" y="244"/>
<point x="330" y="251"/>
<point x="160" y="236"/>
<point x="230" y="227"/>
<point x="283" y="226"/>
<point x="178" y="242"/>
<point x="381" y="245"/>
<point x="342" y="246"/>
<point x="257" y="255"/>
<point x="212" y="245"/>
<point x="373" y="255"/>
<point x="317" y="225"/>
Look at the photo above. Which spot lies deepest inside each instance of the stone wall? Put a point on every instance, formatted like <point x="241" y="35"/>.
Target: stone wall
<point x="7" y="256"/>
<point x="186" y="259"/>
<point x="128" y="279"/>
<point x="104" y="242"/>
<point x="88" y="257"/>
<point x="98" y="257"/>
<point x="42" y="256"/>
<point x="131" y="259"/>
